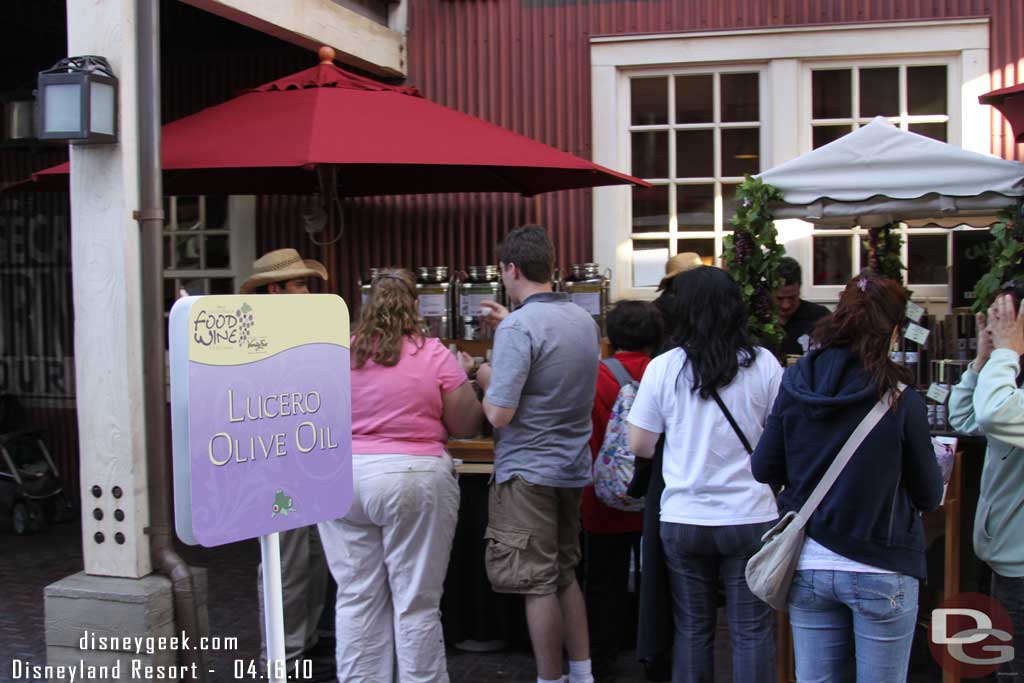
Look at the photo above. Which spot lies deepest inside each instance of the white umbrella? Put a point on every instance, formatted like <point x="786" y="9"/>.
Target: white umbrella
<point x="879" y="174"/>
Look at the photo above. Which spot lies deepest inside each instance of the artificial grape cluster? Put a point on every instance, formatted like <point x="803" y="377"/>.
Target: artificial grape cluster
<point x="245" y="317"/>
<point x="762" y="304"/>
<point x="744" y="245"/>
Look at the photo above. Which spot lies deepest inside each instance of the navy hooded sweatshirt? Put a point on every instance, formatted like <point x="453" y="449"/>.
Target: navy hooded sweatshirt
<point x="871" y="514"/>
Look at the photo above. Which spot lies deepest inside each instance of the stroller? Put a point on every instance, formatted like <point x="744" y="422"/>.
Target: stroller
<point x="31" y="493"/>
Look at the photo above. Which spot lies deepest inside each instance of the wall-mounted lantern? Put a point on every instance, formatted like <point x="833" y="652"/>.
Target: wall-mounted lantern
<point x="78" y="101"/>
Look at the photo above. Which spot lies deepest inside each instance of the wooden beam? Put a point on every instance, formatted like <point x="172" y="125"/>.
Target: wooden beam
<point x="358" y="40"/>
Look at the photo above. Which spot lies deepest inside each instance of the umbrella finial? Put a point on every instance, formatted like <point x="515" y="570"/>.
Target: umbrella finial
<point x="326" y="55"/>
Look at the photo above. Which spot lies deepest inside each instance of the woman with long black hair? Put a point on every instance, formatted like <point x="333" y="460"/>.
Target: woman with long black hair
<point x="710" y="395"/>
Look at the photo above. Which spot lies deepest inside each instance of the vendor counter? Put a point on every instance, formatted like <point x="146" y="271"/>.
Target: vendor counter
<point x="474" y="616"/>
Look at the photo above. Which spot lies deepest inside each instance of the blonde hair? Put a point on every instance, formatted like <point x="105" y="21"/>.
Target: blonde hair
<point x="390" y="315"/>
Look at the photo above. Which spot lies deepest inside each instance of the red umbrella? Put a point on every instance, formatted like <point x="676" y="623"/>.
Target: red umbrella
<point x="1010" y="102"/>
<point x="369" y="137"/>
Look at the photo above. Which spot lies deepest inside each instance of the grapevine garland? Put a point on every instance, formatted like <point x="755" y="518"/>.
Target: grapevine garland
<point x="752" y="257"/>
<point x="1005" y="253"/>
<point x="884" y="245"/>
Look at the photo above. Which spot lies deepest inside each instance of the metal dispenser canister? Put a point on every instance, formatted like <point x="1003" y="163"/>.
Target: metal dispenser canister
<point x="481" y="283"/>
<point x="589" y="289"/>
<point x="365" y="286"/>
<point x="435" y="294"/>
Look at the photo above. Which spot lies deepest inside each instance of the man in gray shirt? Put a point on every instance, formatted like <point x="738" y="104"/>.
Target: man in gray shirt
<point x="539" y="395"/>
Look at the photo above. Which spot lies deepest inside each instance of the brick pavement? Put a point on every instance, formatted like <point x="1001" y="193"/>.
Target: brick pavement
<point x="29" y="563"/>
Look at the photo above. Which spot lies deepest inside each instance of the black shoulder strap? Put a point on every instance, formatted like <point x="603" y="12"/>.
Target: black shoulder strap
<point x="732" y="421"/>
<point x="617" y="369"/>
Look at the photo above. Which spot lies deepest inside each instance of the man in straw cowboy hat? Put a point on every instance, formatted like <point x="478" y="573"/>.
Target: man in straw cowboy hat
<point x="303" y="566"/>
<point x="282" y="271"/>
<point x="680" y="263"/>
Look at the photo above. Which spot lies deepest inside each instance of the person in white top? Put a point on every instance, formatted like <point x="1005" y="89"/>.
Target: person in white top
<point x="710" y="395"/>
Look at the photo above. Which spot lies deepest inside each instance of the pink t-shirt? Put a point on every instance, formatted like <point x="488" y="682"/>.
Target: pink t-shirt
<point x="398" y="409"/>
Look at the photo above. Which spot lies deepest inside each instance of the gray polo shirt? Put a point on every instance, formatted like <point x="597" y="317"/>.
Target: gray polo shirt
<point x="545" y="360"/>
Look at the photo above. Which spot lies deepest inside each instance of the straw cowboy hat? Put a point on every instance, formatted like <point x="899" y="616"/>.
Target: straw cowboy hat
<point x="281" y="265"/>
<point x="680" y="263"/>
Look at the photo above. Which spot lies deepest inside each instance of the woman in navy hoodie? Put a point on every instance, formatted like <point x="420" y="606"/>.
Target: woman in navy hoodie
<point x="856" y="585"/>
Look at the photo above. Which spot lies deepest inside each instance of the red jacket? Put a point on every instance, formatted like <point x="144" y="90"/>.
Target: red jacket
<point x="598" y="518"/>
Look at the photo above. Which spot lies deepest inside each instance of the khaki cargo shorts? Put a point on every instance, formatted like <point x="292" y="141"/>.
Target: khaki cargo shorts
<point x="533" y="537"/>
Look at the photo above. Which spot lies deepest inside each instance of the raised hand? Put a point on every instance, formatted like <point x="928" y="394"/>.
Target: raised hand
<point x="1006" y="325"/>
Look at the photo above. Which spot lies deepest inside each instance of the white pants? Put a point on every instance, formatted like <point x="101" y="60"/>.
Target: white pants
<point x="389" y="556"/>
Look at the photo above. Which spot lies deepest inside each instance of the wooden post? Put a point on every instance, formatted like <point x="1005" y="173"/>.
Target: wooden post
<point x="107" y="303"/>
<point x="951" y="558"/>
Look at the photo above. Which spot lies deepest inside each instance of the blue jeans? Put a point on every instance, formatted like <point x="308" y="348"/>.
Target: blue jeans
<point x="836" y="614"/>
<point x="697" y="557"/>
<point x="1009" y="592"/>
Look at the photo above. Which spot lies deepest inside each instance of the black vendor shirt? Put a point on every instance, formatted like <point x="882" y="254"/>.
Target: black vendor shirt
<point x="800" y="325"/>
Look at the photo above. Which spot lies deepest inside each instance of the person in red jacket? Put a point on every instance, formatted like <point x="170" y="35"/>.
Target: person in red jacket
<point x="612" y="537"/>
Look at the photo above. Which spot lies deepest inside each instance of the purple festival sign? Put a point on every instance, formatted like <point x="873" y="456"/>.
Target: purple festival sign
<point x="261" y="414"/>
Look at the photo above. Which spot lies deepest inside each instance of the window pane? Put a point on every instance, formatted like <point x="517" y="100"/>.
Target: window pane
<point x="195" y="286"/>
<point x="728" y="204"/>
<point x="832" y="260"/>
<point x="650" y="209"/>
<point x="830" y="94"/>
<point x="170" y="293"/>
<point x="704" y="247"/>
<point x="649" y="257"/>
<point x="936" y="131"/>
<point x="188" y="213"/>
<point x="926" y="259"/>
<point x="168" y="216"/>
<point x="649" y="101"/>
<point x="216" y="212"/>
<point x="880" y="92"/>
<point x="740" y="97"/>
<point x="822" y="135"/>
<point x="650" y="155"/>
<point x="740" y="151"/>
<point x="693" y="99"/>
<point x="186" y="251"/>
<point x="222" y="285"/>
<point x="218" y="251"/>
<point x="696" y="207"/>
<point x="168" y="252"/>
<point x="695" y="154"/>
<point x="926" y="90"/>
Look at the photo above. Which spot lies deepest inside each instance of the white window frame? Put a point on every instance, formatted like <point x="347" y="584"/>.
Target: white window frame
<point x="718" y="231"/>
<point x="782" y="54"/>
<point x="930" y="292"/>
<point x="241" y="229"/>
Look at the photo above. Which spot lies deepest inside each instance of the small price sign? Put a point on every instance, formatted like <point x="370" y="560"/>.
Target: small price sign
<point x="914" y="311"/>
<point x="938" y="393"/>
<point x="916" y="333"/>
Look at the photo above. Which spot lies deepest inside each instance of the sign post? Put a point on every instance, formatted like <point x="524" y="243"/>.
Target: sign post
<point x="261" y="418"/>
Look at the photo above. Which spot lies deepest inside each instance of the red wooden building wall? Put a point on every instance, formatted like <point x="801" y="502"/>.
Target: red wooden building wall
<point x="525" y="65"/>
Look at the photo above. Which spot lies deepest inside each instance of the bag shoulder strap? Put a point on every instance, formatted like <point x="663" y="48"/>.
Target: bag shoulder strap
<point x="619" y="371"/>
<point x="846" y="452"/>
<point x="732" y="421"/>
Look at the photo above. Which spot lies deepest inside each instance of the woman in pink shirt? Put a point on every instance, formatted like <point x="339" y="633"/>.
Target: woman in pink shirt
<point x="389" y="554"/>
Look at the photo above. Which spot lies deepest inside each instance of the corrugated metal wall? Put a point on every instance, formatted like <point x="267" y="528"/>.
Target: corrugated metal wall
<point x="524" y="64"/>
<point x="214" y="62"/>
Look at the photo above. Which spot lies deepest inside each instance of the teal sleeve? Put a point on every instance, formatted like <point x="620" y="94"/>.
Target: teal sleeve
<point x="998" y="402"/>
<point x="961" y="403"/>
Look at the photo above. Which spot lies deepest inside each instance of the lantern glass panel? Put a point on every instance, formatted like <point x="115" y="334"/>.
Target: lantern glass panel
<point x="101" y="103"/>
<point x="63" y="108"/>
